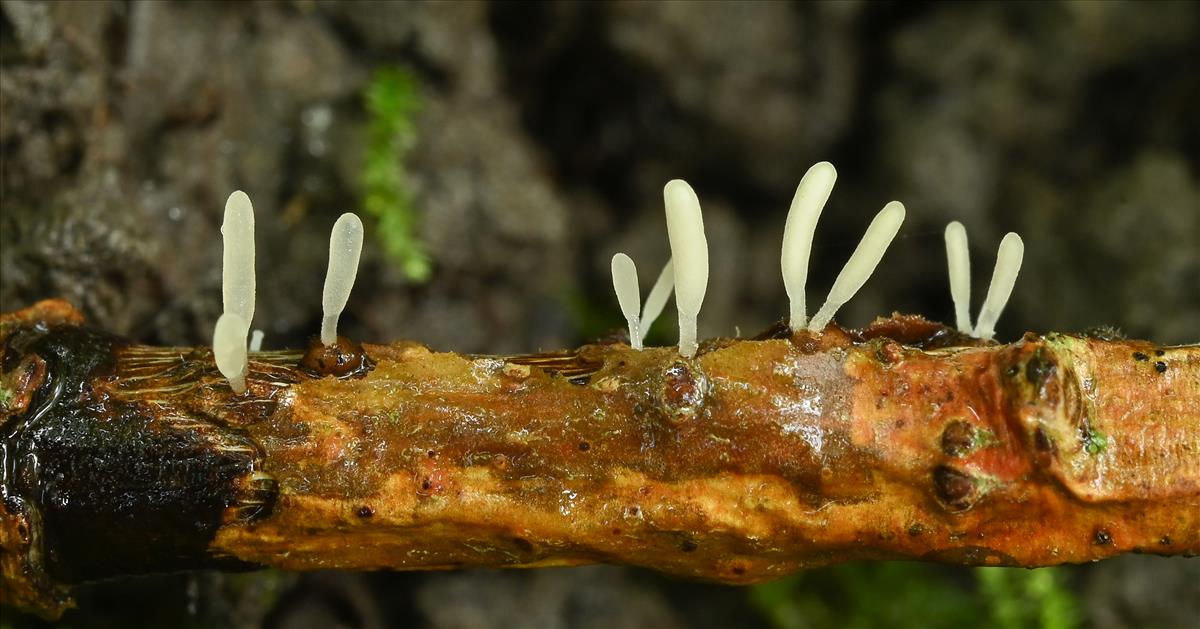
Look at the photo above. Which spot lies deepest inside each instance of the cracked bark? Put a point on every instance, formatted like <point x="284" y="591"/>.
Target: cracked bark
<point x="755" y="459"/>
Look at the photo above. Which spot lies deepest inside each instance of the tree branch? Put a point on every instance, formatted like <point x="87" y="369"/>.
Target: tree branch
<point x="752" y="460"/>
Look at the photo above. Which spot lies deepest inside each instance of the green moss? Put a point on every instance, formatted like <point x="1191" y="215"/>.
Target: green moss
<point x="1095" y="442"/>
<point x="392" y="101"/>
<point x="1019" y="598"/>
<point x="866" y="595"/>
<point x="899" y="594"/>
<point x="6" y="396"/>
<point x="983" y="439"/>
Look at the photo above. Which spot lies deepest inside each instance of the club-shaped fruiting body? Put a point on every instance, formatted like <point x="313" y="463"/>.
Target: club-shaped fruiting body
<point x="959" y="262"/>
<point x="229" y="349"/>
<point x="798" y="230"/>
<point x="237" y="264"/>
<point x="237" y="290"/>
<point x="657" y="300"/>
<point x="625" y="283"/>
<point x="256" y="339"/>
<point x="862" y="263"/>
<point x="345" y="247"/>
<point x="689" y="255"/>
<point x="1004" y="276"/>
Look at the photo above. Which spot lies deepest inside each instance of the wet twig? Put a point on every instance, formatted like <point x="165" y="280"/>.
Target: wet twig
<point x="752" y="460"/>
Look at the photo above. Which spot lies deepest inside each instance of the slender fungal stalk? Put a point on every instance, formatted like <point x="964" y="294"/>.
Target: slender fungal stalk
<point x="746" y="462"/>
<point x="811" y="195"/>
<point x="345" y="247"/>
<point x="958" y="260"/>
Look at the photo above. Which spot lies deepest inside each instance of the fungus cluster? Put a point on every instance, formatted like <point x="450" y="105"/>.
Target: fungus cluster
<point x="811" y="195"/>
<point x="688" y="268"/>
<point x="238" y="286"/>
<point x="1004" y="277"/>
<point x="686" y="273"/>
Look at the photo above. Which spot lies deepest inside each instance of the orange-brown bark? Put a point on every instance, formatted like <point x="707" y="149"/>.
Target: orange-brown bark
<point x="753" y="460"/>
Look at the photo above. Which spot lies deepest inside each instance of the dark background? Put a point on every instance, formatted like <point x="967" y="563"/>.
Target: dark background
<point x="545" y="134"/>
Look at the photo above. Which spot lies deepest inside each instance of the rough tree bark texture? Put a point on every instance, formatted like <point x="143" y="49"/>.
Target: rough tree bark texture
<point x="755" y="459"/>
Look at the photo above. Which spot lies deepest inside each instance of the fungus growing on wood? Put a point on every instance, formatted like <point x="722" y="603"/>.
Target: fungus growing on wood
<point x="657" y="299"/>
<point x="345" y="247"/>
<point x="229" y="350"/>
<point x="237" y="263"/>
<point x="861" y="264"/>
<point x="689" y="253"/>
<point x="625" y="283"/>
<point x="256" y="339"/>
<point x="798" y="230"/>
<point x="237" y="291"/>
<point x="959" y="262"/>
<point x="975" y="421"/>
<point x="1004" y="276"/>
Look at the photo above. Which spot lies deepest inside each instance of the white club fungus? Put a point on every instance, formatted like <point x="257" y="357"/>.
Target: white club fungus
<point x="689" y="255"/>
<point x="237" y="264"/>
<point x="862" y="262"/>
<point x="256" y="339"/>
<point x="625" y="283"/>
<point x="657" y="300"/>
<point x="345" y="247"/>
<point x="1004" y="276"/>
<point x="811" y="195"/>
<point x="958" y="259"/>
<point x="229" y="349"/>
